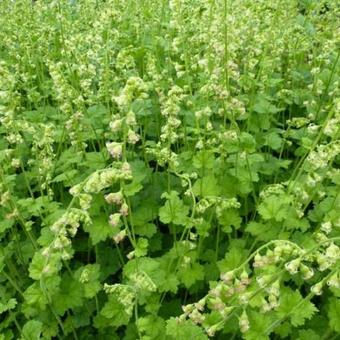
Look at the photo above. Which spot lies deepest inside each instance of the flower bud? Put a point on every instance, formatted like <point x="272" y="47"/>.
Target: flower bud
<point x="274" y="289"/>
<point x="317" y="288"/>
<point x="115" y="149"/>
<point x="196" y="316"/>
<point x="326" y="227"/>
<point x="216" y="291"/>
<point x="131" y="255"/>
<point x="114" y="219"/>
<point x="323" y="262"/>
<point x="239" y="286"/>
<point x="245" y="278"/>
<point x="85" y="201"/>
<point x="120" y="236"/>
<point x="15" y="163"/>
<point x="114" y="198"/>
<point x="187" y="309"/>
<point x="265" y="307"/>
<point x="46" y="252"/>
<point x="75" y="190"/>
<point x="126" y="170"/>
<point x="130" y="118"/>
<point x="200" y="304"/>
<point x="258" y="261"/>
<point x="278" y="252"/>
<point x="211" y="331"/>
<point x="287" y="249"/>
<point x="333" y="252"/>
<point x="321" y="237"/>
<point x="263" y="280"/>
<point x="273" y="301"/>
<point x="272" y="256"/>
<point x="244" y="322"/>
<point x="116" y="125"/>
<point x="306" y="272"/>
<point x="334" y="281"/>
<point x="217" y="304"/>
<point x="244" y="298"/>
<point x="124" y="210"/>
<point x="225" y="312"/>
<point x="227" y="277"/>
<point x="133" y="137"/>
<point x="292" y="266"/>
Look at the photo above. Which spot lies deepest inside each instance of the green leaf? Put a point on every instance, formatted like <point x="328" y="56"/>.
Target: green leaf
<point x="174" y="211"/>
<point x="108" y="259"/>
<point x="4" y="307"/>
<point x="334" y="314"/>
<point x="141" y="247"/>
<point x="31" y="330"/>
<point x="244" y="179"/>
<point x="298" y="309"/>
<point x="247" y="142"/>
<point x="191" y="273"/>
<point x="5" y="224"/>
<point x="142" y="107"/>
<point x="284" y="329"/>
<point x="263" y="231"/>
<point x="68" y="287"/>
<point x="99" y="230"/>
<point x="258" y="326"/>
<point x="274" y="207"/>
<point x="308" y="334"/>
<point x="293" y="221"/>
<point x="228" y="185"/>
<point x="132" y="188"/>
<point x="35" y="299"/>
<point x="273" y="140"/>
<point x="88" y="276"/>
<point x="203" y="227"/>
<point x="145" y="213"/>
<point x="148" y="265"/>
<point x="233" y="258"/>
<point x="41" y="266"/>
<point x="206" y="186"/>
<point x="152" y="327"/>
<point x="230" y="218"/>
<point x="46" y="237"/>
<point x="66" y="176"/>
<point x="139" y="173"/>
<point x="203" y="159"/>
<point x="116" y="311"/>
<point x="263" y="106"/>
<point x="94" y="161"/>
<point x="148" y="229"/>
<point x="184" y="330"/>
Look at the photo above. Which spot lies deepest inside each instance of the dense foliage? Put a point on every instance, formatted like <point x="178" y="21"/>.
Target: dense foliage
<point x="169" y="169"/>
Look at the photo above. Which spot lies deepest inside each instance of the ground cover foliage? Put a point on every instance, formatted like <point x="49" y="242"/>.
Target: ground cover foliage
<point x="169" y="169"/>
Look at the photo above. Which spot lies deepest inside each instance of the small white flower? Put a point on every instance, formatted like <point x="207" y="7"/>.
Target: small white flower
<point x="133" y="137"/>
<point x="116" y="125"/>
<point x="115" y="149"/>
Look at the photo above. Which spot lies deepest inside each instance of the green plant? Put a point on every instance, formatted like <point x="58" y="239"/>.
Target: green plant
<point x="169" y="169"/>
